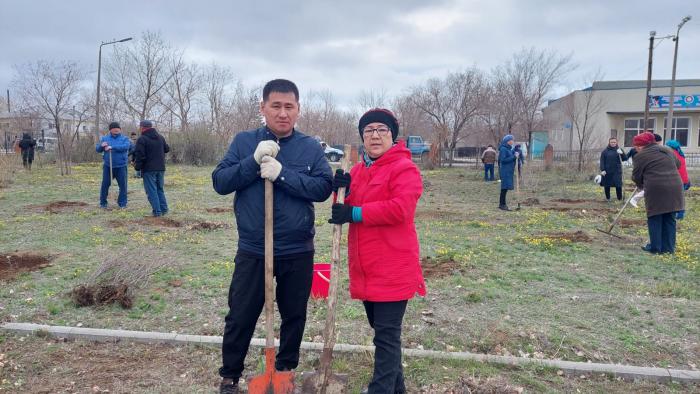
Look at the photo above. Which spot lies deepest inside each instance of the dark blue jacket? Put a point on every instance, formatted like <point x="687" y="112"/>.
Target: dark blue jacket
<point x="120" y="149"/>
<point x="506" y="165"/>
<point x="306" y="177"/>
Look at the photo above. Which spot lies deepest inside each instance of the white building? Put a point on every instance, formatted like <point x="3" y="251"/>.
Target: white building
<point x="616" y="109"/>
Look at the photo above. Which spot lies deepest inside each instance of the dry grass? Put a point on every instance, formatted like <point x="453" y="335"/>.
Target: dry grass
<point x="9" y="166"/>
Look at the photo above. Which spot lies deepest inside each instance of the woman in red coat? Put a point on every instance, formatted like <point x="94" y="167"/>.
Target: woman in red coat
<point x="383" y="248"/>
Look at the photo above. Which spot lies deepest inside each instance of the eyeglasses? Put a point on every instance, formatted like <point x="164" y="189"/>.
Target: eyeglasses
<point x="382" y="131"/>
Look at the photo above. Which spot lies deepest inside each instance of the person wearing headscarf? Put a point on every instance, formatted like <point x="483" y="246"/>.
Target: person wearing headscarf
<point x="506" y="167"/>
<point x="656" y="172"/>
<point x="682" y="170"/>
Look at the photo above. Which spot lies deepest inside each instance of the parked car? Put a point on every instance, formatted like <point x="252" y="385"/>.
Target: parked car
<point x="332" y="154"/>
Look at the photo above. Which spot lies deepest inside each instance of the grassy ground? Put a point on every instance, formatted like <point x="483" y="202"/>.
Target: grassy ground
<point x="539" y="282"/>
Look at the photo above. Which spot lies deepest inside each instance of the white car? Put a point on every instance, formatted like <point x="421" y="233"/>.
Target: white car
<point x="332" y="154"/>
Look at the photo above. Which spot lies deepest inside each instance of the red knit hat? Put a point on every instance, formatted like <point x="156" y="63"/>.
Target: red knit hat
<point x="643" y="139"/>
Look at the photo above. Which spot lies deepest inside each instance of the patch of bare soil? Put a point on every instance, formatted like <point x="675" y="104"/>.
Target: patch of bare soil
<point x="13" y="264"/>
<point x="159" y="221"/>
<point x="495" y="385"/>
<point x="530" y="201"/>
<point x="573" y="201"/>
<point x="208" y="226"/>
<point x="219" y="209"/>
<point x="625" y="223"/>
<point x="577" y="236"/>
<point x="100" y="295"/>
<point x="438" y="268"/>
<point x="59" y="206"/>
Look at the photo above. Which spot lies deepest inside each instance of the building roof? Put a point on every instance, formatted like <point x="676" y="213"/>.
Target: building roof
<point x="641" y="84"/>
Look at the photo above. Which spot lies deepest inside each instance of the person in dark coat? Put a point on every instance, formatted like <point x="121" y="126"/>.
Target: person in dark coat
<point x="488" y="158"/>
<point x="296" y="165"/>
<point x="611" y="168"/>
<point x="26" y="145"/>
<point x="506" y="168"/>
<point x="656" y="172"/>
<point x="149" y="158"/>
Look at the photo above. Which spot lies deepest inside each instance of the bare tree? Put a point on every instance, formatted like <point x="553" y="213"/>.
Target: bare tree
<point x="138" y="74"/>
<point x="217" y="80"/>
<point x="582" y="107"/>
<point x="500" y="113"/>
<point x="181" y="92"/>
<point x="532" y="75"/>
<point x="51" y="89"/>
<point x="450" y="104"/>
<point x="320" y="116"/>
<point x="368" y="99"/>
<point x="413" y="120"/>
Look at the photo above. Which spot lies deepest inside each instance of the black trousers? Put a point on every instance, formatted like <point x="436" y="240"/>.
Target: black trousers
<point x="502" y="199"/>
<point x="246" y="298"/>
<point x="386" y="319"/>
<point x="618" y="192"/>
<point x="662" y="232"/>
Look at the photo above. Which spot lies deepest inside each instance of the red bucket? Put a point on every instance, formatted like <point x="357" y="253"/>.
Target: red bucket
<point x="321" y="280"/>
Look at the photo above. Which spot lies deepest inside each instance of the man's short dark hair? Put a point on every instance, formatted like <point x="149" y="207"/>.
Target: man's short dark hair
<point x="280" y="86"/>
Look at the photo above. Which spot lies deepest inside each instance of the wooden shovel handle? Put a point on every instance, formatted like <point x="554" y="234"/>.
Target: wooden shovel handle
<point x="269" y="261"/>
<point x="329" y="332"/>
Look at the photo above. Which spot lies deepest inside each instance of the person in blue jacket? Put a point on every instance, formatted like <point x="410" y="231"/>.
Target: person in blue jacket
<point x="301" y="175"/>
<point x="506" y="167"/>
<point x="116" y="146"/>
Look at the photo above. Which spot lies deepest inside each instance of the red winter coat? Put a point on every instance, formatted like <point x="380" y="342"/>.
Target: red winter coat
<point x="383" y="249"/>
<point x="681" y="170"/>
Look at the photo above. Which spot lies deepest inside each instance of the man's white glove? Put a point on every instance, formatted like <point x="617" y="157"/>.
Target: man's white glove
<point x="603" y="173"/>
<point x="635" y="199"/>
<point x="270" y="168"/>
<point x="598" y="179"/>
<point x="265" y="148"/>
<point x="619" y="151"/>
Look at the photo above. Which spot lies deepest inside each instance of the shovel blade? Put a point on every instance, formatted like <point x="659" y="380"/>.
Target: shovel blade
<point x="311" y="383"/>
<point x="272" y="382"/>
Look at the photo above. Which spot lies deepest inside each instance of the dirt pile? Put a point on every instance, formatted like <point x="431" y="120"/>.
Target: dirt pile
<point x="577" y="236"/>
<point x="59" y="206"/>
<point x="626" y="223"/>
<point x="496" y="385"/>
<point x="13" y="264"/>
<point x="159" y="221"/>
<point x="219" y="209"/>
<point x="530" y="201"/>
<point x="438" y="268"/>
<point x="208" y="226"/>
<point x="105" y="294"/>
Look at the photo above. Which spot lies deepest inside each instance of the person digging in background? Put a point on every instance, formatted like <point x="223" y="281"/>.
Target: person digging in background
<point x="656" y="172"/>
<point x="383" y="249"/>
<point x="506" y="168"/>
<point x="489" y="160"/>
<point x="301" y="175"/>
<point x="114" y="147"/>
<point x="149" y="158"/>
<point x="26" y="146"/>
<point x="682" y="170"/>
<point x="520" y="160"/>
<point x="611" y="159"/>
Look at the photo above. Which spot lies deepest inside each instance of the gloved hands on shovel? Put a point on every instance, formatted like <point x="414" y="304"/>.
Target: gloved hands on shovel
<point x="343" y="213"/>
<point x="341" y="179"/>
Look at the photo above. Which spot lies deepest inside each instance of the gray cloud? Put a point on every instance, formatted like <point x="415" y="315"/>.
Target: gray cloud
<point x="352" y="46"/>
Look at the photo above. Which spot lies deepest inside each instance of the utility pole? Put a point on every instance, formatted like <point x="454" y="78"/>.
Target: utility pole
<point x="8" y="101"/>
<point x="671" y="98"/>
<point x="97" y="101"/>
<point x="646" y="95"/>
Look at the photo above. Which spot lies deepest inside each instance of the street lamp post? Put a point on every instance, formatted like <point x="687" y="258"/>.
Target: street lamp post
<point x="652" y="34"/>
<point x="99" y="69"/>
<point x="671" y="98"/>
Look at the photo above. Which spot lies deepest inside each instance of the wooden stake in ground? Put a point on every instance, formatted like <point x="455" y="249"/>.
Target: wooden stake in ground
<point x="270" y="381"/>
<point x="324" y="381"/>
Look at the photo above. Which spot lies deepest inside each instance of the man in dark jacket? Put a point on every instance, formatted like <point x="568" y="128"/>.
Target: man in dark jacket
<point x="611" y="168"/>
<point x="506" y="168"/>
<point x="115" y="149"/>
<point x="296" y="164"/>
<point x="26" y="145"/>
<point x="149" y="158"/>
<point x="656" y="172"/>
<point x="488" y="158"/>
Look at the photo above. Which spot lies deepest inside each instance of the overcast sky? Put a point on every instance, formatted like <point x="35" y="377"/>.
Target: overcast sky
<point x="358" y="45"/>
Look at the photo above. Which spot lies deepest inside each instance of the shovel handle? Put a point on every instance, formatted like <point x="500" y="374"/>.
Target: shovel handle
<point x="269" y="261"/>
<point x="329" y="332"/>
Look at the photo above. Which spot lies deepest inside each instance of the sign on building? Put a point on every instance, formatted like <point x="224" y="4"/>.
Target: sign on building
<point x="679" y="101"/>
